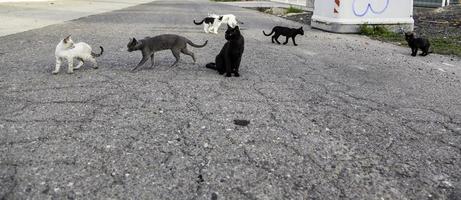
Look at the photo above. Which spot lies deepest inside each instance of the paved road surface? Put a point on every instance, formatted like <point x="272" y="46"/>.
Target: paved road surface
<point x="256" y="4"/>
<point x="23" y="15"/>
<point x="337" y="117"/>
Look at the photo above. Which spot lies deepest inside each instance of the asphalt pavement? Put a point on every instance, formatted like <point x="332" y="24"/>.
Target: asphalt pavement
<point x="337" y="117"/>
<point x="23" y="15"/>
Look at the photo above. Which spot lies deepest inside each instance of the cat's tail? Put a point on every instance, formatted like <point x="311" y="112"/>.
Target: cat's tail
<point x="198" y="23"/>
<point x="196" y="45"/>
<point x="269" y="33"/>
<point x="211" y="66"/>
<point x="97" y="54"/>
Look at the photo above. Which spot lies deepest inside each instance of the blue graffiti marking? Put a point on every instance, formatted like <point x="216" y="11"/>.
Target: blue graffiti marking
<point x="369" y="8"/>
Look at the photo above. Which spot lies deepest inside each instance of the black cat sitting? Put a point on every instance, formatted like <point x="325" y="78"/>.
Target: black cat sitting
<point x="285" y="31"/>
<point x="228" y="59"/>
<point x="417" y="43"/>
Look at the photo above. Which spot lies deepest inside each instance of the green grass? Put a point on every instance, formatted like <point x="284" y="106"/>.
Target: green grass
<point x="439" y="45"/>
<point x="446" y="45"/>
<point x="292" y="9"/>
<point x="381" y="33"/>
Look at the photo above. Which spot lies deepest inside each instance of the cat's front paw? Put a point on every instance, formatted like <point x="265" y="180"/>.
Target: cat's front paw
<point x="236" y="74"/>
<point x="55" y="72"/>
<point x="228" y="74"/>
<point x="295" y="44"/>
<point x="70" y="72"/>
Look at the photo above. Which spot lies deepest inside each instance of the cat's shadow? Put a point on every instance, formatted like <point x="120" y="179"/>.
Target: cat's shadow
<point x="166" y="66"/>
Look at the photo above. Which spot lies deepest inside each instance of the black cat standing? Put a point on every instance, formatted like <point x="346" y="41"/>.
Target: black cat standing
<point x="229" y="58"/>
<point x="285" y="31"/>
<point x="417" y="43"/>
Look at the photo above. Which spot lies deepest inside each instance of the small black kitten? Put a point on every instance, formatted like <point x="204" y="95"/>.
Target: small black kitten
<point x="228" y="59"/>
<point x="417" y="43"/>
<point x="285" y="31"/>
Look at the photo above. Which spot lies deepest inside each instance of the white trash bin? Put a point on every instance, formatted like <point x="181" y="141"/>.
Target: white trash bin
<point x="346" y="16"/>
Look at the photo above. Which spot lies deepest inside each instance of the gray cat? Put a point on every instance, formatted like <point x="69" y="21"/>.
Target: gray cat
<point x="149" y="45"/>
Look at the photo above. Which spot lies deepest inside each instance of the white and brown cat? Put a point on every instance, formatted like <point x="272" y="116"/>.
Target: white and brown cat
<point x="68" y="50"/>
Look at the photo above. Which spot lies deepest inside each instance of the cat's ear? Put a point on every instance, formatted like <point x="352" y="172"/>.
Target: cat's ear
<point x="66" y="39"/>
<point x="301" y="28"/>
<point x="220" y="18"/>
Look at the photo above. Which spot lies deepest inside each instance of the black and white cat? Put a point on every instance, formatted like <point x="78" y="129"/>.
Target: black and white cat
<point x="213" y="22"/>
<point x="209" y="23"/>
<point x="149" y="45"/>
<point x="417" y="43"/>
<point x="68" y="50"/>
<point x="285" y="31"/>
<point x="229" y="58"/>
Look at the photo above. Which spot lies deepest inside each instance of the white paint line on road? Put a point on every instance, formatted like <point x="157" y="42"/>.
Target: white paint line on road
<point x="448" y="64"/>
<point x="442" y="70"/>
